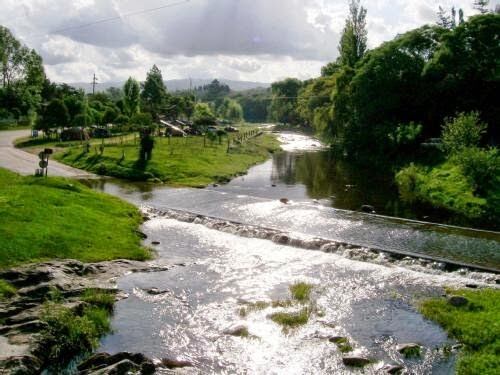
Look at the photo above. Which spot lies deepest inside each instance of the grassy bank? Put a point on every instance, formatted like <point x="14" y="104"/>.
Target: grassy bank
<point x="446" y="187"/>
<point x="42" y="219"/>
<point x="476" y="325"/>
<point x="189" y="161"/>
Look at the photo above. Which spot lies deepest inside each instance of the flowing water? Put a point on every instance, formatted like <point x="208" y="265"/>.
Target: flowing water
<point x="216" y="275"/>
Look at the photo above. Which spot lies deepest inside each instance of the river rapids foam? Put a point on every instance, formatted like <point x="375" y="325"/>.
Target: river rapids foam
<point x="413" y="262"/>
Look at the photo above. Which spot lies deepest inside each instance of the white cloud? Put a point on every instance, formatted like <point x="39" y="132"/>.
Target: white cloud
<point x="259" y="40"/>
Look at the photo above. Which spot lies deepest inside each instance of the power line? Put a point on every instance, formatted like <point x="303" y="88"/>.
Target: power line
<point x="112" y="19"/>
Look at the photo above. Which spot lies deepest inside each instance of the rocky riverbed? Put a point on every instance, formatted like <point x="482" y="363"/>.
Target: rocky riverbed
<point x="22" y="349"/>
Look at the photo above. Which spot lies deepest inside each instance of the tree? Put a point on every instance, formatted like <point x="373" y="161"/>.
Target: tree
<point x="110" y="115"/>
<point x="214" y="92"/>
<point x="463" y="131"/>
<point x="231" y="110"/>
<point x="187" y="105"/>
<point x="315" y="102"/>
<point x="481" y="6"/>
<point x="450" y="20"/>
<point x="464" y="73"/>
<point x="384" y="91"/>
<point x="22" y="75"/>
<point x="330" y="69"/>
<point x="55" y="115"/>
<point x="131" y="98"/>
<point x="154" y="92"/>
<point x="353" y="42"/>
<point x="283" y="107"/>
<point x="203" y="115"/>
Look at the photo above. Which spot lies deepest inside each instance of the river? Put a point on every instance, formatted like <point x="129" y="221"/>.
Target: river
<point x="214" y="274"/>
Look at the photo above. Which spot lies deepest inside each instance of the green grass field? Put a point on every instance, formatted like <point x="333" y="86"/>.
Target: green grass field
<point x="55" y="218"/>
<point x="191" y="161"/>
<point x="475" y="325"/>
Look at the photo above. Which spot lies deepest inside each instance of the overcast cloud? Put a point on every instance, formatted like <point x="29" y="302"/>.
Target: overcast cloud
<point x="258" y="40"/>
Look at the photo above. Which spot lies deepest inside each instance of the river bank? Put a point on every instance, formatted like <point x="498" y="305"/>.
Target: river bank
<point x="360" y="310"/>
<point x="58" y="313"/>
<point x="192" y="161"/>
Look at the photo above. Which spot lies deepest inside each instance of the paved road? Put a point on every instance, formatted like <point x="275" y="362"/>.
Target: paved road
<point x="25" y="163"/>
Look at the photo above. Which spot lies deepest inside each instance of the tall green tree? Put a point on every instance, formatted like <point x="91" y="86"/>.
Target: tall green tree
<point x="353" y="42"/>
<point x="131" y="97"/>
<point x="22" y="75"/>
<point x="203" y="115"/>
<point x="231" y="110"/>
<point x="154" y="93"/>
<point x="55" y="115"/>
<point x="283" y="107"/>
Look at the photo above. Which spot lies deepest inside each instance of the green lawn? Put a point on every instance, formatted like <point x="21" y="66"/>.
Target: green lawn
<point x="475" y="325"/>
<point x="178" y="161"/>
<point x="54" y="218"/>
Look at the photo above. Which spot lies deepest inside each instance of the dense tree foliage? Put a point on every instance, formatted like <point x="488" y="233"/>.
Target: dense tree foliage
<point x="22" y="78"/>
<point x="353" y="42"/>
<point x="53" y="116"/>
<point x="231" y="110"/>
<point x="154" y="93"/>
<point x="254" y="103"/>
<point x="131" y="97"/>
<point x="203" y="115"/>
<point x="283" y="107"/>
<point x="214" y="91"/>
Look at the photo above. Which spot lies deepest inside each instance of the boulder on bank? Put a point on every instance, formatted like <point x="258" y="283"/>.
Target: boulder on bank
<point x="458" y="301"/>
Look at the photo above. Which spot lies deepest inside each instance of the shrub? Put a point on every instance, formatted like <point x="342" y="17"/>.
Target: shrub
<point x="462" y="132"/>
<point x="480" y="166"/>
<point x="67" y="334"/>
<point x="99" y="298"/>
<point x="407" y="180"/>
<point x="405" y="134"/>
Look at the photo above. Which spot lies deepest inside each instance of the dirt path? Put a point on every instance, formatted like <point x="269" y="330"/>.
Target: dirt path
<point x="25" y="163"/>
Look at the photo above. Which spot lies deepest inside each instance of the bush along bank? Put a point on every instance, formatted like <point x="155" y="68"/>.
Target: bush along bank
<point x="467" y="183"/>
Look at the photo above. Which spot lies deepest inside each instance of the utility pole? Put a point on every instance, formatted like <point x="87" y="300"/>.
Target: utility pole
<point x="94" y="83"/>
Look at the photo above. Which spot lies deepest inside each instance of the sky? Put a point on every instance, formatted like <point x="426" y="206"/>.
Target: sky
<point x="252" y="40"/>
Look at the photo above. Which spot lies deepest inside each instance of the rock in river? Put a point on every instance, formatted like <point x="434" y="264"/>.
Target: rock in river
<point x="356" y="361"/>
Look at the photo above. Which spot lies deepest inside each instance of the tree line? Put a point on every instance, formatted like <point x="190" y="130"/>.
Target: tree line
<point x="383" y="100"/>
<point x="27" y="96"/>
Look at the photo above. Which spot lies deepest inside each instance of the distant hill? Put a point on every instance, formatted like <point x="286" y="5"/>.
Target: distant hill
<point x="180" y="84"/>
